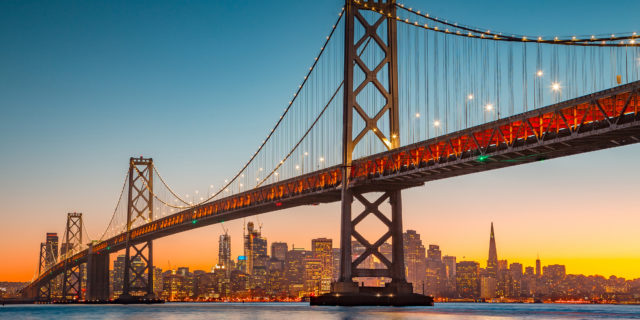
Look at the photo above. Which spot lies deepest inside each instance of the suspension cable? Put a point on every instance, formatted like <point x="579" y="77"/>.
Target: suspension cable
<point x="124" y="185"/>
<point x="599" y="41"/>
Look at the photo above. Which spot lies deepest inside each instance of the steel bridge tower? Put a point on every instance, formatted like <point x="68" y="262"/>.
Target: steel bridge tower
<point x="44" y="291"/>
<point x="346" y="291"/>
<point x="73" y="276"/>
<point x="139" y="256"/>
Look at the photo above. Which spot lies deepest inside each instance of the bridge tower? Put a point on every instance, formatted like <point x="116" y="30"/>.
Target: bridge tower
<point x="44" y="291"/>
<point x="139" y="256"/>
<point x="72" y="278"/>
<point x="346" y="291"/>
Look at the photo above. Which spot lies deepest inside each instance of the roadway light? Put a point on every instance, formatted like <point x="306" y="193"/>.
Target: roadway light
<point x="306" y="153"/>
<point x="417" y="114"/>
<point x="555" y="86"/>
<point x="297" y="167"/>
<point x="470" y="97"/>
<point x="436" y="123"/>
<point x="539" y="73"/>
<point x="321" y="159"/>
<point x="488" y="107"/>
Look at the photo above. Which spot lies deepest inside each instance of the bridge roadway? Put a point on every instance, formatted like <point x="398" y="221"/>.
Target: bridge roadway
<point x="601" y="120"/>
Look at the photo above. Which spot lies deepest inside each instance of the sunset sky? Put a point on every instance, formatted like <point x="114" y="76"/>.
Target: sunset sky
<point x="86" y="85"/>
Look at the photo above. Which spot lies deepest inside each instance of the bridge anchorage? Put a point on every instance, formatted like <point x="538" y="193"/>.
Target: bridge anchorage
<point x="346" y="291"/>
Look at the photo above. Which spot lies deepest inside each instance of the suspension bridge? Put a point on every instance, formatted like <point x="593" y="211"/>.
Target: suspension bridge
<point x="395" y="98"/>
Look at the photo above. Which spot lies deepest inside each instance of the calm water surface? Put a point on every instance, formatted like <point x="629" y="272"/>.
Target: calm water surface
<point x="290" y="311"/>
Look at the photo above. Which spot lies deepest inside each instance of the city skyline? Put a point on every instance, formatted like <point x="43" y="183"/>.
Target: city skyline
<point x="289" y="274"/>
<point x="62" y="113"/>
<point x="238" y="251"/>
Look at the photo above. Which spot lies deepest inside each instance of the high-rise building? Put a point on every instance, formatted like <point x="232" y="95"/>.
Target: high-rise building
<point x="51" y="247"/>
<point x="276" y="281"/>
<point x="117" y="282"/>
<point x="322" y="249"/>
<point x="467" y="278"/>
<point x="556" y="272"/>
<point x="295" y="270"/>
<point x="492" y="262"/>
<point x="487" y="287"/>
<point x="414" y="260"/>
<point x="224" y="251"/>
<point x="336" y="263"/>
<point x="538" y="267"/>
<point x="157" y="281"/>
<point x="279" y="250"/>
<point x="254" y="246"/>
<point x="449" y="263"/>
<point x="312" y="275"/>
<point x="434" y="271"/>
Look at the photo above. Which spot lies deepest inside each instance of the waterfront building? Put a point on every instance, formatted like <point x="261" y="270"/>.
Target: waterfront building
<point x="157" y="281"/>
<point x="322" y="249"/>
<point x="414" y="260"/>
<point x="276" y="285"/>
<point x="295" y="270"/>
<point x="435" y="271"/>
<point x="467" y="278"/>
<point x="335" y="253"/>
<point x="449" y="263"/>
<point x="239" y="283"/>
<point x="117" y="282"/>
<point x="487" y="287"/>
<point x="312" y="275"/>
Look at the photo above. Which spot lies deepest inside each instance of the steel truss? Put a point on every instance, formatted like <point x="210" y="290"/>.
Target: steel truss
<point x="73" y="274"/>
<point x="349" y="267"/>
<point x="139" y="208"/>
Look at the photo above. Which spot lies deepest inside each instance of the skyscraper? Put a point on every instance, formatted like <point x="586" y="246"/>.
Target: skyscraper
<point x="435" y="271"/>
<point x="224" y="252"/>
<point x="254" y="246"/>
<point x="449" y="263"/>
<point x="322" y="249"/>
<point x="467" y="279"/>
<point x="414" y="260"/>
<point x="492" y="262"/>
<point x="51" y="247"/>
<point x="279" y="250"/>
<point x="117" y="282"/>
<point x="538" y="268"/>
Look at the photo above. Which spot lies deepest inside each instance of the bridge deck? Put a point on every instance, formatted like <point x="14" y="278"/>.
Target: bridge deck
<point x="597" y="121"/>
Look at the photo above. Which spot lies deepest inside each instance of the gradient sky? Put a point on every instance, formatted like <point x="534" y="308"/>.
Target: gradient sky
<point x="84" y="85"/>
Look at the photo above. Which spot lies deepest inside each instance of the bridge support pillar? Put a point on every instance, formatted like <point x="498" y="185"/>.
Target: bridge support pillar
<point x="397" y="292"/>
<point x="138" y="263"/>
<point x="43" y="293"/>
<point x="73" y="275"/>
<point x="97" y="276"/>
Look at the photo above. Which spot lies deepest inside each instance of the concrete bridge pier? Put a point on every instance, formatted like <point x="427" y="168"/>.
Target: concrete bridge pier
<point x="97" y="276"/>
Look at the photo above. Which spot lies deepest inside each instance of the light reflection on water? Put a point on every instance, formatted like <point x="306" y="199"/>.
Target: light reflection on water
<point x="291" y="311"/>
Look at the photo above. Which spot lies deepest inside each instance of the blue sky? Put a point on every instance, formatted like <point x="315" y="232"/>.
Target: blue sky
<point x="196" y="85"/>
